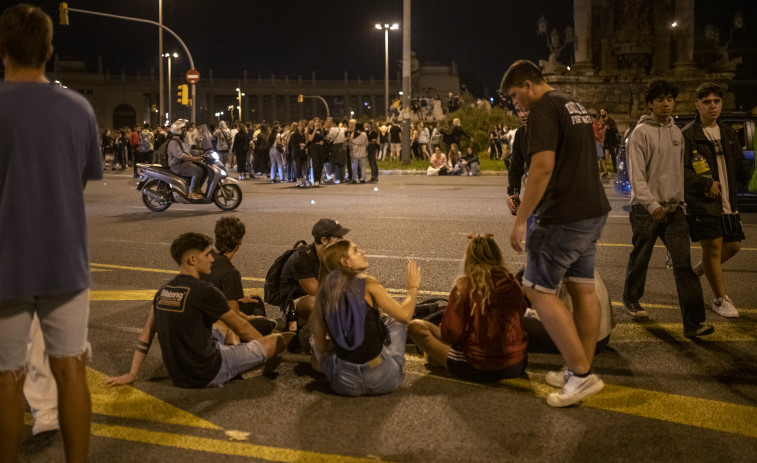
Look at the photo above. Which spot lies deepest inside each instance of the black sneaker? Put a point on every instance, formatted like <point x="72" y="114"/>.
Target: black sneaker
<point x="635" y="310"/>
<point x="702" y="330"/>
<point x="265" y="326"/>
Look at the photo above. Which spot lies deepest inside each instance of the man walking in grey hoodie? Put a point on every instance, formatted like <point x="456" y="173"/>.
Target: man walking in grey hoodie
<point x="655" y="170"/>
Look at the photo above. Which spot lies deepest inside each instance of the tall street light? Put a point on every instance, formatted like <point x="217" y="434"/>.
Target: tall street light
<point x="240" y="94"/>
<point x="169" y="56"/>
<point x="386" y="28"/>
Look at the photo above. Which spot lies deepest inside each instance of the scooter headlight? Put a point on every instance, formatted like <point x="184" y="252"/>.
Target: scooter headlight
<point x="223" y="172"/>
<point x="215" y="156"/>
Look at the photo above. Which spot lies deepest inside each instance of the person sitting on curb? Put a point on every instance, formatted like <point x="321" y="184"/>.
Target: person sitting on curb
<point x="438" y="163"/>
<point x="454" y="161"/>
<point x="471" y="164"/>
<point x="194" y="353"/>
<point x="481" y="335"/>
<point x="360" y="351"/>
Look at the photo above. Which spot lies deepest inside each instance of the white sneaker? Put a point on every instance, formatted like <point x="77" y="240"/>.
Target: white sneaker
<point x="557" y="378"/>
<point x="724" y="307"/>
<point x="575" y="390"/>
<point x="45" y="420"/>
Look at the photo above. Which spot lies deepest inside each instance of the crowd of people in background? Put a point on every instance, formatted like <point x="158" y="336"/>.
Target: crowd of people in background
<point x="310" y="153"/>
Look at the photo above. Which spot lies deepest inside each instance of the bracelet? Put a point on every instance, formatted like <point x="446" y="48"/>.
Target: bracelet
<point x="143" y="347"/>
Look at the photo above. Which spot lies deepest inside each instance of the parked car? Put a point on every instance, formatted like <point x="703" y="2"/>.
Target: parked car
<point x="742" y="123"/>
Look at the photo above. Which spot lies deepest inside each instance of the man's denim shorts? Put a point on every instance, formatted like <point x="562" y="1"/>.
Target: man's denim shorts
<point x="562" y="251"/>
<point x="63" y="319"/>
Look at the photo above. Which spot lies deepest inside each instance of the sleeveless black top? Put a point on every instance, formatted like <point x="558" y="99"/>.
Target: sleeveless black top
<point x="376" y="335"/>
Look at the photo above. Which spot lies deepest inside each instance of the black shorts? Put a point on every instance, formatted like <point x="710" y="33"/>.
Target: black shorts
<point x="709" y="227"/>
<point x="457" y="365"/>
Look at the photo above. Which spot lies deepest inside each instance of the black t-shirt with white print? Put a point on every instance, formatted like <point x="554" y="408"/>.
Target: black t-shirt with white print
<point x="185" y="310"/>
<point x="559" y="123"/>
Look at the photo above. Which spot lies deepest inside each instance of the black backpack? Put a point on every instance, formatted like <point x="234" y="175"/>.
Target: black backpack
<point x="163" y="153"/>
<point x="272" y="286"/>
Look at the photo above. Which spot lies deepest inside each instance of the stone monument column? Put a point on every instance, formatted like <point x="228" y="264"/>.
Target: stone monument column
<point x="661" y="56"/>
<point x="684" y="51"/>
<point x="582" y="30"/>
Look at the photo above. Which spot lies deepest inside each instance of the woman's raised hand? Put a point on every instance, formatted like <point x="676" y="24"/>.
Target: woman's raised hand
<point x="413" y="274"/>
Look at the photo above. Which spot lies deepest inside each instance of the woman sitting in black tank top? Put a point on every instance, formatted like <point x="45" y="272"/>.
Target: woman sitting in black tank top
<point x="360" y="350"/>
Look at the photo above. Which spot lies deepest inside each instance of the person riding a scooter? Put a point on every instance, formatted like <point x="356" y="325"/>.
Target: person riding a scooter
<point x="181" y="158"/>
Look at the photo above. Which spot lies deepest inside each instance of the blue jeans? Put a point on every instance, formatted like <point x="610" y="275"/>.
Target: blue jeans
<point x="361" y="162"/>
<point x="236" y="360"/>
<point x="560" y="251"/>
<point x="353" y="379"/>
<point x="674" y="233"/>
<point x="277" y="163"/>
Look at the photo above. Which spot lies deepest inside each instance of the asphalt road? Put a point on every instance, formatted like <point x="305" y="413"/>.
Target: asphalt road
<point x="667" y="398"/>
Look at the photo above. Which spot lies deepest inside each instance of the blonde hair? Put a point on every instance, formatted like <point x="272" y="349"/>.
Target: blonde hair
<point x="481" y="258"/>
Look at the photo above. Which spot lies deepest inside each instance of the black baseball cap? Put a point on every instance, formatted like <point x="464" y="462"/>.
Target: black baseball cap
<point x="328" y="227"/>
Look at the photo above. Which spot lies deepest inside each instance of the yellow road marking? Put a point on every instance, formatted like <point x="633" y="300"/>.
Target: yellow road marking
<point x="126" y="267"/>
<point x="690" y="411"/>
<point x="130" y="402"/>
<point x="123" y="295"/>
<point x="223" y="447"/>
<point x="146" y="269"/>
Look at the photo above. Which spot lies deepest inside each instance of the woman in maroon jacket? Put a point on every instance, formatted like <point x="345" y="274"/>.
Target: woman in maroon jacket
<point x="481" y="335"/>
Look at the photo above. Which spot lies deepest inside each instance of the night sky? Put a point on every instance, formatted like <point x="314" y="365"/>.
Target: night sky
<point x="295" y="37"/>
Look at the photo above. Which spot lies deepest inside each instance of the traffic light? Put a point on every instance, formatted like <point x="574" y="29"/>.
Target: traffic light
<point x="63" y="7"/>
<point x="183" y="95"/>
<point x="300" y="97"/>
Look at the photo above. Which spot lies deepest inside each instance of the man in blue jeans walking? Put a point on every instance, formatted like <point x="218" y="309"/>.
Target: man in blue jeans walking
<point x="562" y="241"/>
<point x="655" y="170"/>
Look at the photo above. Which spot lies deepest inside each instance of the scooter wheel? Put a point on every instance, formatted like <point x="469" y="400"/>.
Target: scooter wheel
<point x="158" y="188"/>
<point x="228" y="196"/>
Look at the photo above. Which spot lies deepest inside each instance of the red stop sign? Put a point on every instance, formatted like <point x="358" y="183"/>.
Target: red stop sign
<point x="192" y="76"/>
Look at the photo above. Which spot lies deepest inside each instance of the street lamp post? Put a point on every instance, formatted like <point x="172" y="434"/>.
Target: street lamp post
<point x="240" y="94"/>
<point x="169" y="56"/>
<point x="386" y="28"/>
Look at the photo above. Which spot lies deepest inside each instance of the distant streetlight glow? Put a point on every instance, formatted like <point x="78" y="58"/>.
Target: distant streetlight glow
<point x="169" y="56"/>
<point x="386" y="28"/>
<point x="240" y="94"/>
<point x="675" y="24"/>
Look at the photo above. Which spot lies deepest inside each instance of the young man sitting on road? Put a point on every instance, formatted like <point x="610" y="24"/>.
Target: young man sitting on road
<point x="299" y="276"/>
<point x="229" y="232"/>
<point x="184" y="311"/>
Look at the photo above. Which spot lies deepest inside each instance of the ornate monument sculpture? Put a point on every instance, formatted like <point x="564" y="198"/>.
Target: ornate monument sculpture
<point x="724" y="62"/>
<point x="555" y="45"/>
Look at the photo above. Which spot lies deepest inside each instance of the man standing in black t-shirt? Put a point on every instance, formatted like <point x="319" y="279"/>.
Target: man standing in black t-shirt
<point x="183" y="314"/>
<point x="563" y="238"/>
